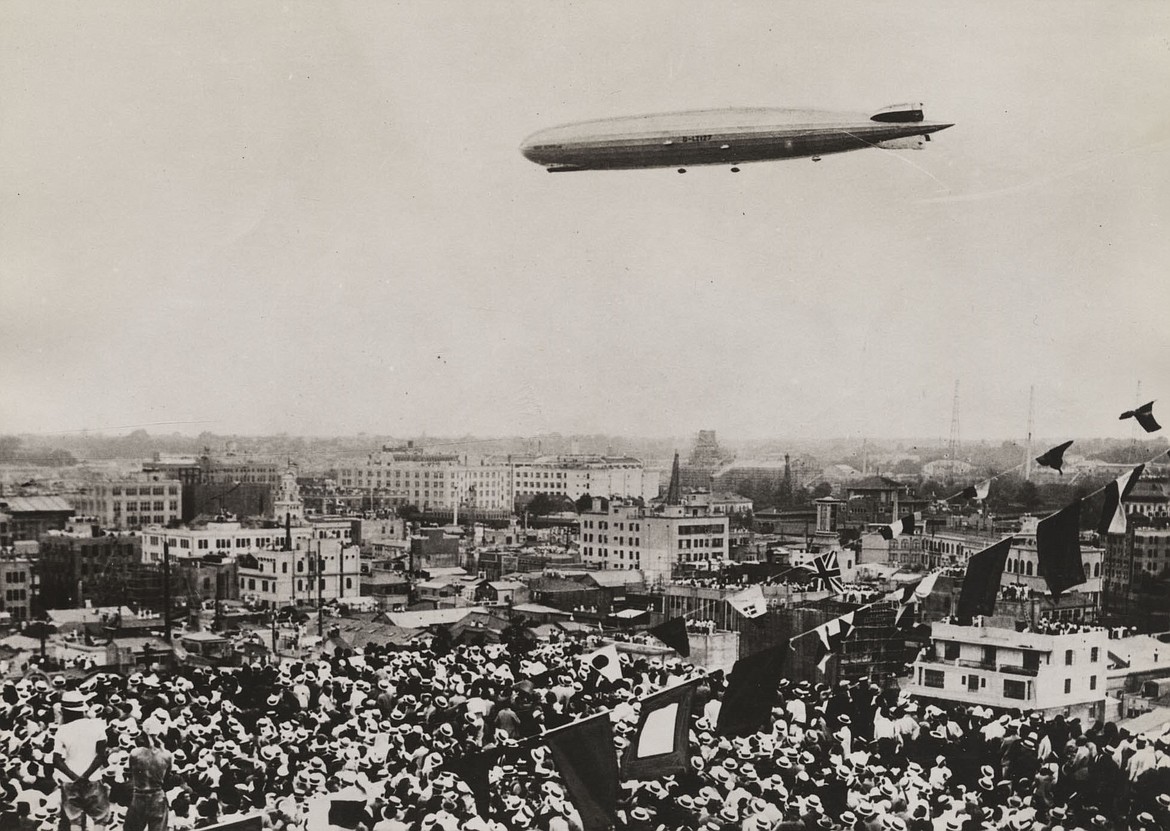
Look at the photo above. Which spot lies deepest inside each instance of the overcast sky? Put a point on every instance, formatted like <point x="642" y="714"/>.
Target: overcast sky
<point x="313" y="218"/>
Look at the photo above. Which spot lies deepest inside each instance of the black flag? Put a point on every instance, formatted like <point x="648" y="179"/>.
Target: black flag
<point x="473" y="769"/>
<point x="981" y="585"/>
<point x="673" y="633"/>
<point x="751" y="691"/>
<point x="1054" y="458"/>
<point x="1058" y="549"/>
<point x="583" y="752"/>
<point x="1145" y="417"/>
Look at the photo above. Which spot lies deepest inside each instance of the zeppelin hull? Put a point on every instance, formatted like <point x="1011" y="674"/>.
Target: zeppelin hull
<point x="718" y="137"/>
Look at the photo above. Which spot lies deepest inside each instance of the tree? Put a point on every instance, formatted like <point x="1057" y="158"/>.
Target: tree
<point x="584" y="503"/>
<point x="821" y="490"/>
<point x="742" y="519"/>
<point x="544" y="504"/>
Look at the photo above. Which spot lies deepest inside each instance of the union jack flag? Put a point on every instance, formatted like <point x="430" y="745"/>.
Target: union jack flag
<point x="829" y="572"/>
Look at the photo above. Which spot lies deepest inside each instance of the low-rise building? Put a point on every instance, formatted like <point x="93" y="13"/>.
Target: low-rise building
<point x="1005" y="669"/>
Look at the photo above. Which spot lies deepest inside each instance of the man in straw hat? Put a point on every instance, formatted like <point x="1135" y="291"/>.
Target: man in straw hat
<point x="79" y="756"/>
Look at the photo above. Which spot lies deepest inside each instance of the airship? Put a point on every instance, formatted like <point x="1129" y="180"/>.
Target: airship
<point x="724" y="137"/>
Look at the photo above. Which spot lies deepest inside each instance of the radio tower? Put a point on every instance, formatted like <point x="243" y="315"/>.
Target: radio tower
<point x="1028" y="443"/>
<point x="953" y="445"/>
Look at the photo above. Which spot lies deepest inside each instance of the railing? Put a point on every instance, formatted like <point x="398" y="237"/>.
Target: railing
<point x="1017" y="670"/>
<point x="963" y="662"/>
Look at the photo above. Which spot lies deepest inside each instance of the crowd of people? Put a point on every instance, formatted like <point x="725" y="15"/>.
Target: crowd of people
<point x="379" y="729"/>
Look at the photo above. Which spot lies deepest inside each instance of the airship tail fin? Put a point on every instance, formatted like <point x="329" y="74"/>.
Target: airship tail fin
<point x="899" y="114"/>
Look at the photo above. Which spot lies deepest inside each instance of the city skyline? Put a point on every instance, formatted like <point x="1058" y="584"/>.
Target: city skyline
<point x="318" y="221"/>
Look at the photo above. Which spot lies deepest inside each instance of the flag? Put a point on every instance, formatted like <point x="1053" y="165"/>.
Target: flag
<point x="914" y="594"/>
<point x="347" y="813"/>
<point x="1145" y="417"/>
<point x="829" y="572"/>
<point x="751" y="691"/>
<point x="473" y="769"/>
<point x="605" y="661"/>
<point x="832" y="637"/>
<point x="583" y="753"/>
<point x="981" y="585"/>
<point x="978" y="492"/>
<point x="905" y="525"/>
<point x="1113" y="519"/>
<point x="660" y="742"/>
<point x="1054" y="458"/>
<point x="673" y="633"/>
<point x="1058" y="549"/>
<point x="750" y="602"/>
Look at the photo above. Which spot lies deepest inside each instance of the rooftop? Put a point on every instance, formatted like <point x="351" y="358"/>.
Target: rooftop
<point x="34" y="504"/>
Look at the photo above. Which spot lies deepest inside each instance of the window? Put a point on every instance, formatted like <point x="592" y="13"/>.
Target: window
<point x="1015" y="689"/>
<point x="950" y="650"/>
<point x="349" y="582"/>
<point x="933" y="678"/>
<point x="1067" y="686"/>
<point x="284" y="568"/>
<point x="1068" y="657"/>
<point x="1094" y="654"/>
<point x="251" y="583"/>
<point x="1092" y="682"/>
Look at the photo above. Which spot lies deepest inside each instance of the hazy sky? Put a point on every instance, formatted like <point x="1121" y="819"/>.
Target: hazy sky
<point x="313" y="217"/>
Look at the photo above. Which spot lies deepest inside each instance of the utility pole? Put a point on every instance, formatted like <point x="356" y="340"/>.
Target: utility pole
<point x="167" y="591"/>
<point x="320" y="592"/>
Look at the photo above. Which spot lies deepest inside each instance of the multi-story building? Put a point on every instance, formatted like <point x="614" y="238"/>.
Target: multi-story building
<point x="1006" y="669"/>
<point x="16" y="586"/>
<point x="440" y="481"/>
<point x="659" y="542"/>
<point x="131" y="503"/>
<point x="31" y="516"/>
<point x="316" y="570"/>
<point x="228" y="536"/>
<point x="408" y="476"/>
<point x="206" y="470"/>
<point x="84" y="565"/>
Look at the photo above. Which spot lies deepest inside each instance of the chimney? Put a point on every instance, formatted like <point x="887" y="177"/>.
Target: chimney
<point x="674" y="492"/>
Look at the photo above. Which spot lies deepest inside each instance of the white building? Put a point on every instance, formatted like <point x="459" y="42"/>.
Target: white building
<point x="276" y="578"/>
<point x="411" y="476"/>
<point x="1003" y="668"/>
<point x="657" y="541"/>
<point x="125" y="504"/>
<point x="228" y="536"/>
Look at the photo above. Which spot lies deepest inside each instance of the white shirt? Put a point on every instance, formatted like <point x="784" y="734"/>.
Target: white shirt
<point x="76" y="742"/>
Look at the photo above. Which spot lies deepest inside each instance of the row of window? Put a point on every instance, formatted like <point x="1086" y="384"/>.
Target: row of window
<point x="15" y="577"/>
<point x="157" y="505"/>
<point x="15" y="594"/>
<point x="264" y="584"/>
<point x="156" y="490"/>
